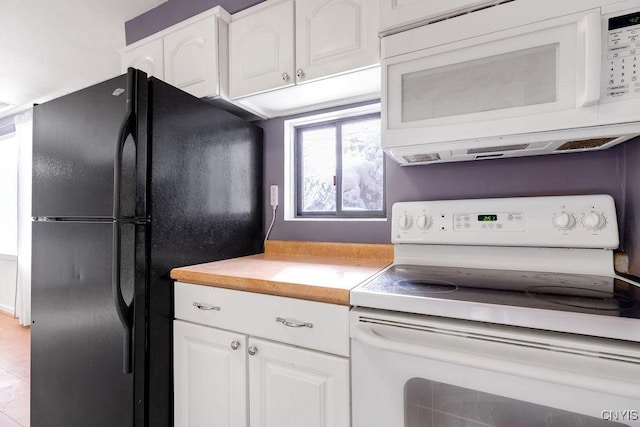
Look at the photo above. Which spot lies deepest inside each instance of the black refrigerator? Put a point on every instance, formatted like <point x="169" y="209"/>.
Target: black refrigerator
<point x="131" y="177"/>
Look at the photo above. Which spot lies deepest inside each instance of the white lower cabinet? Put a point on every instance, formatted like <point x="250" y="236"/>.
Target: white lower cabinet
<point x="294" y="387"/>
<point x="237" y="379"/>
<point x="209" y="376"/>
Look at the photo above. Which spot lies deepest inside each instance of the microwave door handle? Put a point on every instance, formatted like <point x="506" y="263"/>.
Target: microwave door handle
<point x="591" y="28"/>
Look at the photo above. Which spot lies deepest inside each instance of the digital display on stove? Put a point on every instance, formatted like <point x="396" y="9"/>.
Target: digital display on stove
<point x="487" y="218"/>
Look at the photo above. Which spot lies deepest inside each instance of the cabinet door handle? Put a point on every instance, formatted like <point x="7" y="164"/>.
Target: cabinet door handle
<point x="235" y="344"/>
<point x="293" y="323"/>
<point x="300" y="73"/>
<point x="285" y="76"/>
<point x="252" y="351"/>
<point x="205" y="306"/>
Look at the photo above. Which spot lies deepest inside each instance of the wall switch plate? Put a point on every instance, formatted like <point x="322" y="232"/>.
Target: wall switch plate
<point x="274" y="195"/>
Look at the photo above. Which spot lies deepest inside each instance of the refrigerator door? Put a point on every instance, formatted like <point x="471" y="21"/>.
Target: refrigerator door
<point x="75" y="139"/>
<point x="77" y="343"/>
<point x="206" y="204"/>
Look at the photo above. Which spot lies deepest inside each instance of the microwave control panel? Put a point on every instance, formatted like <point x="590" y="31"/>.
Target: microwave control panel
<point x="621" y="72"/>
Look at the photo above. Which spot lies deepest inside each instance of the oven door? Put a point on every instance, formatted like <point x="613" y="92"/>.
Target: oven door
<point x="410" y="370"/>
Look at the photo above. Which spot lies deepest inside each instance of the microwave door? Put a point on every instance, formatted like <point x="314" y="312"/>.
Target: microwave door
<point x="522" y="80"/>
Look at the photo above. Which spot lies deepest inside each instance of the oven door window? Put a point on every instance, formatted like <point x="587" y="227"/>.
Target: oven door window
<point x="433" y="404"/>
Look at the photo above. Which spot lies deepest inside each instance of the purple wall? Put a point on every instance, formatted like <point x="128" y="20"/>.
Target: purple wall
<point x="579" y="173"/>
<point x="631" y="185"/>
<point x="174" y="11"/>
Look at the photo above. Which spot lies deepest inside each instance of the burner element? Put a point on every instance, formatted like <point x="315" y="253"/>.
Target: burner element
<point x="427" y="286"/>
<point x="582" y="298"/>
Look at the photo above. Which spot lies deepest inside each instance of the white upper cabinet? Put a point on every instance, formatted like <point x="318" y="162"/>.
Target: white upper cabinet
<point x="287" y="43"/>
<point x="191" y="58"/>
<point x="191" y="55"/>
<point x="261" y="50"/>
<point x="398" y="15"/>
<point x="334" y="36"/>
<point x="148" y="57"/>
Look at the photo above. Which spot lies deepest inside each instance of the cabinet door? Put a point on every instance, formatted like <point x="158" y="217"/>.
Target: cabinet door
<point x="191" y="58"/>
<point x="261" y="50"/>
<point x="148" y="57"/>
<point x="209" y="377"/>
<point x="335" y="36"/>
<point x="293" y="387"/>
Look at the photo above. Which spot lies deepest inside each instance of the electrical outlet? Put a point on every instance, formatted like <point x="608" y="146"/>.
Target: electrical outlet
<point x="274" y="195"/>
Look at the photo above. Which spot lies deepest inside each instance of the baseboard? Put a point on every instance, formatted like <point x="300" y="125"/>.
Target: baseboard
<point x="7" y="309"/>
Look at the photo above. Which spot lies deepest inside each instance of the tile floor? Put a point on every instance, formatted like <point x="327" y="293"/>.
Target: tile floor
<point x="14" y="373"/>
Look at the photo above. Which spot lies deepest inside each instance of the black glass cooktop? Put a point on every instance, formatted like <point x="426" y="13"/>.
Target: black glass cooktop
<point x="579" y="293"/>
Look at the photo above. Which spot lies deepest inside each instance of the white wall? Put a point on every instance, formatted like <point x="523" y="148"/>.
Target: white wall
<point x="8" y="221"/>
<point x="9" y="194"/>
<point x="8" y="267"/>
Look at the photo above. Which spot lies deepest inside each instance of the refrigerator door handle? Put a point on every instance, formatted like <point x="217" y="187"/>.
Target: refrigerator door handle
<point x="125" y="312"/>
<point x="127" y="127"/>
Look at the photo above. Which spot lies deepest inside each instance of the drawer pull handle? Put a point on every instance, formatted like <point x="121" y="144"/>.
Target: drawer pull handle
<point x="205" y="306"/>
<point x="293" y="324"/>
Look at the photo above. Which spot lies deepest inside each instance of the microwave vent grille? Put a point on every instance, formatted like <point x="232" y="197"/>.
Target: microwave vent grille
<point x="489" y="156"/>
<point x="421" y="158"/>
<point x="494" y="149"/>
<point x="464" y="12"/>
<point x="584" y="144"/>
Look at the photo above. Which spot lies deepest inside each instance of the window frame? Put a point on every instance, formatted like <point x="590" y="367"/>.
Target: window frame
<point x="339" y="213"/>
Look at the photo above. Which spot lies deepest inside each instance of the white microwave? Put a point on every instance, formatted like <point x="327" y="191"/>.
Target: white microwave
<point x="526" y="77"/>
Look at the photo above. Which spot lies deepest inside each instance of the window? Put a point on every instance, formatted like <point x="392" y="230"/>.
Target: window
<point x="338" y="167"/>
<point x="9" y="195"/>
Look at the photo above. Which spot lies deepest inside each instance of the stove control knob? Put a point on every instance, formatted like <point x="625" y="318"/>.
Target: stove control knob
<point x="594" y="221"/>
<point x="404" y="222"/>
<point x="423" y="222"/>
<point x="564" y="221"/>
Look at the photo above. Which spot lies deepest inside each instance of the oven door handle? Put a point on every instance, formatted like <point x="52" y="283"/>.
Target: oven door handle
<point x="382" y="338"/>
<point x="502" y="357"/>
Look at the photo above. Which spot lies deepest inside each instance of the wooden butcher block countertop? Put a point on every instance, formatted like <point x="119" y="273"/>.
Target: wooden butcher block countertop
<point x="315" y="271"/>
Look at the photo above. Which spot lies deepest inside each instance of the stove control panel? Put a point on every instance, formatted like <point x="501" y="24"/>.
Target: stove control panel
<point x="555" y="221"/>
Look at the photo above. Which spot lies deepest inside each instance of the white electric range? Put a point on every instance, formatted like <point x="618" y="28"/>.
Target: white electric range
<point x="498" y="312"/>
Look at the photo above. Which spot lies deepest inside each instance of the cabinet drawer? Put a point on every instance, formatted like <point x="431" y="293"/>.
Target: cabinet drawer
<point x="309" y="324"/>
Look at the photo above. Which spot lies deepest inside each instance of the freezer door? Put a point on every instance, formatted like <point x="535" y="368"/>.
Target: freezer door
<point x="75" y="140"/>
<point x="77" y="339"/>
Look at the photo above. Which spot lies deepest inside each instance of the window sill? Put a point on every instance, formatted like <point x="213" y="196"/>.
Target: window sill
<point x="328" y="219"/>
<point x="8" y="257"/>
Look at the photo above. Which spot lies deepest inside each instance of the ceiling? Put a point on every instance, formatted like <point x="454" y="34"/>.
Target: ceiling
<point x="49" y="48"/>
